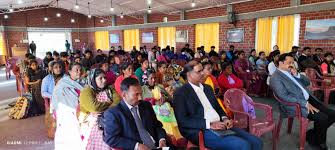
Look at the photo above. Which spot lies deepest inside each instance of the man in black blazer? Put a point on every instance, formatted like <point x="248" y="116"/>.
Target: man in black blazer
<point x="132" y="124"/>
<point x="196" y="109"/>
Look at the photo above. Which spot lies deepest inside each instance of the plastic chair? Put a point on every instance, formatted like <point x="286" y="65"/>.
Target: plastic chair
<point x="256" y="125"/>
<point x="319" y="83"/>
<point x="303" y="122"/>
<point x="190" y="145"/>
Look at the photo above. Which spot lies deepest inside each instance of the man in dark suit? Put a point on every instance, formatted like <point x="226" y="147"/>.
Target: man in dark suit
<point x="132" y="124"/>
<point x="290" y="86"/>
<point x="196" y="109"/>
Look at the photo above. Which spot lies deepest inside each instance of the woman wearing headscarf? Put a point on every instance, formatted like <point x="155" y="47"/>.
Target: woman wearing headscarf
<point x="65" y="100"/>
<point x="159" y="97"/>
<point x="48" y="85"/>
<point x="94" y="99"/>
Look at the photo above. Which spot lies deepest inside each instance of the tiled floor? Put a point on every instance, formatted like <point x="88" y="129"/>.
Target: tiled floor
<point x="30" y="133"/>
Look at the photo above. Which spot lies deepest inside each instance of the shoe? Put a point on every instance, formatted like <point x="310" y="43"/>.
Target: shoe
<point x="323" y="147"/>
<point x="310" y="138"/>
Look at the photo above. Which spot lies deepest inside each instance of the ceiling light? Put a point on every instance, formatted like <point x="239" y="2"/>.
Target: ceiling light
<point x="58" y="15"/>
<point x="72" y="20"/>
<point x="102" y="21"/>
<point x="19" y="1"/>
<point x="112" y="8"/>
<point x="121" y="15"/>
<point x="193" y="4"/>
<point x="76" y="6"/>
<point x="11" y="9"/>
<point x="149" y="10"/>
<point x="89" y="16"/>
<point x="5" y="16"/>
<point x="46" y="18"/>
<point x="149" y="2"/>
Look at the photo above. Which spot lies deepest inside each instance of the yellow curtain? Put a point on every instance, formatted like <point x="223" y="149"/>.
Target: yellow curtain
<point x="285" y="34"/>
<point x="264" y="34"/>
<point x="102" y="40"/>
<point x="3" y="50"/>
<point x="207" y="35"/>
<point x="167" y="36"/>
<point x="131" y="38"/>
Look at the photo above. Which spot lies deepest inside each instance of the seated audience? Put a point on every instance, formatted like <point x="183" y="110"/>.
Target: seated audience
<point x="197" y="109"/>
<point x="100" y="57"/>
<point x="124" y="127"/>
<point x="109" y="75"/>
<point x="328" y="65"/>
<point x="65" y="101"/>
<point x="209" y="78"/>
<point x="212" y="52"/>
<point x="94" y="99"/>
<point x="47" y="59"/>
<point x="161" y="70"/>
<point x="306" y="60"/>
<point x="317" y="57"/>
<point x="126" y="70"/>
<point x="227" y="80"/>
<point x="65" y="63"/>
<point x="87" y="61"/>
<point x="159" y="97"/>
<point x="272" y="67"/>
<point x="291" y="86"/>
<point x="140" y="71"/>
<point x="261" y="64"/>
<point x="137" y="62"/>
<point x="113" y="66"/>
<point x="252" y="59"/>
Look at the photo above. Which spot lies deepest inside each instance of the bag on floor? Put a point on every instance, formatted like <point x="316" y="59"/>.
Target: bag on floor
<point x="21" y="107"/>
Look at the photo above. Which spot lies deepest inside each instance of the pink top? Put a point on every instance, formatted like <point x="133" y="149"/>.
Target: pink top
<point x="324" y="68"/>
<point x="110" y="77"/>
<point x="118" y="81"/>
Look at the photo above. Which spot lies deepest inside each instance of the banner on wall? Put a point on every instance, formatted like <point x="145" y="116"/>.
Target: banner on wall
<point x="182" y="36"/>
<point x="320" y="29"/>
<point x="114" y="38"/>
<point x="235" y="35"/>
<point x="147" y="37"/>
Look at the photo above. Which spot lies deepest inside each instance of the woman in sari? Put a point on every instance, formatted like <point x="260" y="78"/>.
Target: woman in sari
<point x="65" y="100"/>
<point x="209" y="78"/>
<point x="249" y="77"/>
<point x="48" y="85"/>
<point x="159" y="97"/>
<point x="33" y="78"/>
<point x="126" y="70"/>
<point x="94" y="99"/>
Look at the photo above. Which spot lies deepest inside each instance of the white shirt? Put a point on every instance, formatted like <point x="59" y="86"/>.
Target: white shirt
<point x="138" y="113"/>
<point x="289" y="75"/>
<point x="209" y="112"/>
<point x="272" y="68"/>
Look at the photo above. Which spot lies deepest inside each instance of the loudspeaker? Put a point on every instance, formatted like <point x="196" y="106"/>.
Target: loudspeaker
<point x="231" y="17"/>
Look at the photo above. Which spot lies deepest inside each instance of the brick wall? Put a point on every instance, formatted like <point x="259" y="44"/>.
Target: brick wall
<point x="257" y="5"/>
<point x="14" y="37"/>
<point x="152" y="18"/>
<point x="155" y="33"/>
<point x="204" y="13"/>
<point x="249" y="27"/>
<point x="312" y="1"/>
<point x="327" y="45"/>
<point x="191" y="36"/>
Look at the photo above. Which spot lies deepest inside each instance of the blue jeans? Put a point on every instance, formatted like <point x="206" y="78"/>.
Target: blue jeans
<point x="242" y="140"/>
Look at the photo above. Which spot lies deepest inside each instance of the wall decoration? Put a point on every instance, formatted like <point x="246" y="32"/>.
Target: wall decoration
<point x="114" y="38"/>
<point x="235" y="35"/>
<point x="320" y="29"/>
<point x="147" y="37"/>
<point x="182" y="36"/>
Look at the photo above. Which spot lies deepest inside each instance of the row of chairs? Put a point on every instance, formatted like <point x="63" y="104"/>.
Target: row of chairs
<point x="259" y="125"/>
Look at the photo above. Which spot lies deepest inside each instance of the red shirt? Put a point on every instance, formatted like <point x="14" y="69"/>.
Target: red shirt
<point x="224" y="83"/>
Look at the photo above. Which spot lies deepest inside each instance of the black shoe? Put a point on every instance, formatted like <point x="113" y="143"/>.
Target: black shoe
<point x="310" y="138"/>
<point x="323" y="147"/>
